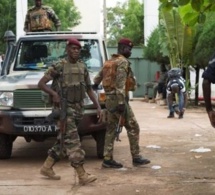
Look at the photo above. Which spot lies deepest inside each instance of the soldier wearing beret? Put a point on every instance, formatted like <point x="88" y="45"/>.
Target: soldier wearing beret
<point x="70" y="82"/>
<point x="117" y="79"/>
<point x="41" y="18"/>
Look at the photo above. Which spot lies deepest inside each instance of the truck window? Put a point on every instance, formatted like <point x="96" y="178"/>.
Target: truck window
<point x="39" y="55"/>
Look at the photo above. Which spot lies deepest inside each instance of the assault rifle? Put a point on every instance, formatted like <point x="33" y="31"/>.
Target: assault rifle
<point x="119" y="127"/>
<point x="63" y="116"/>
<point x="120" y="124"/>
<point x="63" y="113"/>
<point x="59" y="114"/>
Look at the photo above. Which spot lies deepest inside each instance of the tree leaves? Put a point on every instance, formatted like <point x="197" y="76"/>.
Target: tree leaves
<point x="183" y="2"/>
<point x="125" y="20"/>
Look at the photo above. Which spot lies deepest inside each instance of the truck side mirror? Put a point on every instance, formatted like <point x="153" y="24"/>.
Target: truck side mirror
<point x="9" y="38"/>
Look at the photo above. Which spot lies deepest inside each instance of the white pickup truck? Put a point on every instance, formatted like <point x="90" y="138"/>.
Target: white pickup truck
<point x="24" y="107"/>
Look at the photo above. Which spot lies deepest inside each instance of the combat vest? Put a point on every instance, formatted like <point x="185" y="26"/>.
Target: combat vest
<point x="131" y="83"/>
<point x="109" y="75"/>
<point x="71" y="82"/>
<point x="39" y="20"/>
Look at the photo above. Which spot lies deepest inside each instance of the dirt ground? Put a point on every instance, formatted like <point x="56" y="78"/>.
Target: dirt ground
<point x="174" y="169"/>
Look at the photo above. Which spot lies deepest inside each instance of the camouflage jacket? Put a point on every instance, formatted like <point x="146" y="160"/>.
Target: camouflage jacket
<point x="123" y="71"/>
<point x="50" y="15"/>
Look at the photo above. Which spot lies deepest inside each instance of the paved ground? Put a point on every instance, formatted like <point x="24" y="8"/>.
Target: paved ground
<point x="174" y="168"/>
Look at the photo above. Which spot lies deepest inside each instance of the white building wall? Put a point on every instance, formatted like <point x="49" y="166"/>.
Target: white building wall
<point x="21" y="10"/>
<point x="92" y="16"/>
<point x="151" y="17"/>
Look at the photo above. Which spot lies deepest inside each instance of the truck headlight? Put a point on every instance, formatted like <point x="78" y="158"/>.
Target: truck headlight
<point x="6" y="99"/>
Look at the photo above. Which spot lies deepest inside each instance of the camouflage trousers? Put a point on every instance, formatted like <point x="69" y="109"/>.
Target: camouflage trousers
<point x="71" y="140"/>
<point x="131" y="126"/>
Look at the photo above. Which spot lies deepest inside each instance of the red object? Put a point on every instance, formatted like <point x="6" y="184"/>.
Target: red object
<point x="157" y="75"/>
<point x="126" y="41"/>
<point x="73" y="41"/>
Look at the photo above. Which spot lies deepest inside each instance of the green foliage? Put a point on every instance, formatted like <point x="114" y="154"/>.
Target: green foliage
<point x="114" y="23"/>
<point x="133" y="22"/>
<point x="206" y="38"/>
<point x="153" y="50"/>
<point x="183" y="2"/>
<point x="179" y="38"/>
<point x="125" y="20"/>
<point x="196" y="12"/>
<point x="7" y="20"/>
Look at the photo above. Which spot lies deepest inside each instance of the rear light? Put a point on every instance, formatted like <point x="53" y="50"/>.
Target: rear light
<point x="101" y="97"/>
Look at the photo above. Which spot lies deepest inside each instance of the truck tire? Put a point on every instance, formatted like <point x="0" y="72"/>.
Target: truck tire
<point x="6" y="144"/>
<point x="99" y="137"/>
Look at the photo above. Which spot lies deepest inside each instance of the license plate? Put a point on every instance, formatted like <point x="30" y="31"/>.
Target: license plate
<point x="40" y="129"/>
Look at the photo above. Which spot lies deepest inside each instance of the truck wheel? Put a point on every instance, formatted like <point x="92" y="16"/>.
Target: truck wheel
<point x="100" y="141"/>
<point x="6" y="144"/>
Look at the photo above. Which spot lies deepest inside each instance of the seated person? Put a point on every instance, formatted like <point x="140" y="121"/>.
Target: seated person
<point x="162" y="83"/>
<point x="154" y="86"/>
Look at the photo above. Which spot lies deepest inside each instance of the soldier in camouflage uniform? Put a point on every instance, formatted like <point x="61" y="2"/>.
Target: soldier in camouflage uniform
<point x="117" y="83"/>
<point x="73" y="80"/>
<point x="40" y="18"/>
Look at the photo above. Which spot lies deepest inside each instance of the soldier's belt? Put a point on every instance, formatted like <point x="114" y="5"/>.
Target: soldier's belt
<point x="110" y="93"/>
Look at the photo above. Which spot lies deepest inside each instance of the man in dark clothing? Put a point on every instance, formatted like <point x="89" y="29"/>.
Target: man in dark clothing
<point x="162" y="83"/>
<point x="40" y="18"/>
<point x="209" y="78"/>
<point x="176" y="86"/>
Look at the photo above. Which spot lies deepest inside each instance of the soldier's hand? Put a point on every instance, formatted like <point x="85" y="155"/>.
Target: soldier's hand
<point x="121" y="108"/>
<point x="211" y="115"/>
<point x="99" y="115"/>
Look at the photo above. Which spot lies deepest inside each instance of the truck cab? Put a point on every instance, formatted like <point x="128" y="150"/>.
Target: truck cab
<point x="24" y="107"/>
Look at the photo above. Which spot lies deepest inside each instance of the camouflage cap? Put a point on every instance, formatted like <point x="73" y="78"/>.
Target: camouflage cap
<point x="126" y="41"/>
<point x="73" y="41"/>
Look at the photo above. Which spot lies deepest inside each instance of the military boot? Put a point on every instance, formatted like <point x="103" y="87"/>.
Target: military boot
<point x="146" y="98"/>
<point x="139" y="160"/>
<point x="83" y="176"/>
<point x="111" y="164"/>
<point x="47" y="169"/>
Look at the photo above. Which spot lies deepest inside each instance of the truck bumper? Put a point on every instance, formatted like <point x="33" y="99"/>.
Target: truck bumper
<point x="33" y="122"/>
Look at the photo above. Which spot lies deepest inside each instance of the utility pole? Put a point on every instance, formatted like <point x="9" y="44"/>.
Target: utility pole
<point x="151" y="17"/>
<point x="21" y="10"/>
<point x="105" y="19"/>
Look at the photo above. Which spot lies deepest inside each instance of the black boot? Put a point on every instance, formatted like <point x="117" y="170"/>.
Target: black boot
<point x="171" y="115"/>
<point x="140" y="161"/>
<point x="111" y="164"/>
<point x="180" y="116"/>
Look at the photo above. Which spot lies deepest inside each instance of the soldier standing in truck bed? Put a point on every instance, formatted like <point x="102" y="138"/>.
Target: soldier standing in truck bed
<point x="41" y="18"/>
